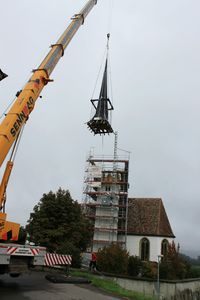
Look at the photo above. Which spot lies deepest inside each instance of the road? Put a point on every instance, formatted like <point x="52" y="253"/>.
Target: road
<point x="34" y="286"/>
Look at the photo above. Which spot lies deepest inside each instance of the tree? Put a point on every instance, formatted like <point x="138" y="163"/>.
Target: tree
<point x="58" y="224"/>
<point x="113" y="259"/>
<point x="173" y="266"/>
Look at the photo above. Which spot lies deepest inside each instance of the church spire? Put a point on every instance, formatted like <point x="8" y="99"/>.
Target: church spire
<point x="100" y="124"/>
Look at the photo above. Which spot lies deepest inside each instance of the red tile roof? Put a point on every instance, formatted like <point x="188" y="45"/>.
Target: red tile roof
<point x="147" y="216"/>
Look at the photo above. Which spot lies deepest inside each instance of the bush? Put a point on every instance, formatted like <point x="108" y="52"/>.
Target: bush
<point x="134" y="266"/>
<point x="149" y="269"/>
<point x="194" y="272"/>
<point x="173" y="265"/>
<point x="69" y="248"/>
<point x="113" y="259"/>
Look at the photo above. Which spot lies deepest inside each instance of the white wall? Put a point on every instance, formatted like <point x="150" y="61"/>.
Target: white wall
<point x="133" y="245"/>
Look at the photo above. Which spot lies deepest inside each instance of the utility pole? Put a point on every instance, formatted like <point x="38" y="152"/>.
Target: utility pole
<point x="158" y="276"/>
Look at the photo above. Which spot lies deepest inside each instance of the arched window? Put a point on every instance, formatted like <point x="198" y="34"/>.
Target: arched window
<point x="144" y="249"/>
<point x="164" y="247"/>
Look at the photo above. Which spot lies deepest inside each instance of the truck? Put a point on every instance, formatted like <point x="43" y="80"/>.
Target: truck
<point x="15" y="258"/>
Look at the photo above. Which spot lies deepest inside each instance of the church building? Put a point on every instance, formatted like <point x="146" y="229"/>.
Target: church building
<point x="148" y="230"/>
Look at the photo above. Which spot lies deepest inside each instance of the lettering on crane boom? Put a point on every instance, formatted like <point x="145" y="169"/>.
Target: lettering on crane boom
<point x="22" y="116"/>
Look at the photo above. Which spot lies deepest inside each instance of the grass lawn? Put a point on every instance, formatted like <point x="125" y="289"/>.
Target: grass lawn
<point x="110" y="286"/>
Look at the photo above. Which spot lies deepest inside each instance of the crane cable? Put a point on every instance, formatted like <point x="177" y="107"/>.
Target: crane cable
<point x="12" y="158"/>
<point x="110" y="88"/>
<point x="98" y="75"/>
<point x="105" y="54"/>
<point x="7" y="108"/>
<point x="106" y="51"/>
<point x="16" y="144"/>
<point x="12" y="101"/>
<point x="110" y="22"/>
<point x="110" y="15"/>
<point x="110" y="19"/>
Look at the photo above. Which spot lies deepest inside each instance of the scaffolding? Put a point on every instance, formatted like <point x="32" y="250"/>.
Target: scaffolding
<point x="106" y="198"/>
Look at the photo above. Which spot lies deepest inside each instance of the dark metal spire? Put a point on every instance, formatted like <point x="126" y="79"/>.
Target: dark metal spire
<point x="100" y="124"/>
<point x="104" y="87"/>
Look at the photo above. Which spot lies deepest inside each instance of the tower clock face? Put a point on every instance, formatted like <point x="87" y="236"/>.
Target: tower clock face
<point x="106" y="200"/>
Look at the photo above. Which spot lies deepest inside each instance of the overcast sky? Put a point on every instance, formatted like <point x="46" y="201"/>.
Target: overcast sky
<point x="155" y="72"/>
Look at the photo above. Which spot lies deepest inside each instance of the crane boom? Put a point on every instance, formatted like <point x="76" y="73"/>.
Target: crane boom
<point x="23" y="105"/>
<point x="25" y="101"/>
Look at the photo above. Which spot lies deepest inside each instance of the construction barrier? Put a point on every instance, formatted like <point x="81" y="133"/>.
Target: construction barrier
<point x="52" y="259"/>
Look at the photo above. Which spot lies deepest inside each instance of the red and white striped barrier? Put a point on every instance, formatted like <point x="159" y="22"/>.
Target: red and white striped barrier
<point x="52" y="259"/>
<point x="13" y="250"/>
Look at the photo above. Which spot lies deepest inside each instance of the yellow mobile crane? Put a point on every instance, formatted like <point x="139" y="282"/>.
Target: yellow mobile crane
<point x="11" y="255"/>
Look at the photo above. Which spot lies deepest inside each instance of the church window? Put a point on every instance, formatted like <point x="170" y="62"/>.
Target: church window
<point x="144" y="249"/>
<point x="164" y="247"/>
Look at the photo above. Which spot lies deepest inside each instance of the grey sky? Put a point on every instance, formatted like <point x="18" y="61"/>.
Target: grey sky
<point x="155" y="74"/>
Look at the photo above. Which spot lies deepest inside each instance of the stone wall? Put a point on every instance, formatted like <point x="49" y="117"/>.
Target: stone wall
<point x="169" y="290"/>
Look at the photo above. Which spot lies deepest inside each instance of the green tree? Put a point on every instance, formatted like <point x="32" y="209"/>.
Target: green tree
<point x="58" y="224"/>
<point x="113" y="259"/>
